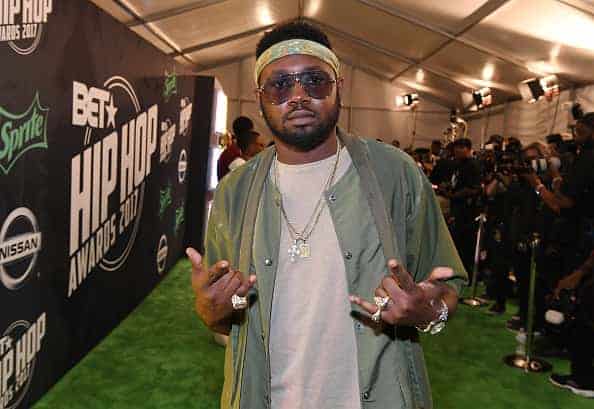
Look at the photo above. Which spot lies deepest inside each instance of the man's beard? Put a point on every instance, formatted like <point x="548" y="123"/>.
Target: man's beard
<point x="301" y="139"/>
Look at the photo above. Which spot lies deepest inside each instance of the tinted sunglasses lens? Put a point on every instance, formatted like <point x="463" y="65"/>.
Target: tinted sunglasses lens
<point x="278" y="90"/>
<point x="318" y="85"/>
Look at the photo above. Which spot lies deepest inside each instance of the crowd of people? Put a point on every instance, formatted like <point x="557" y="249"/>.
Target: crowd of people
<point x="535" y="198"/>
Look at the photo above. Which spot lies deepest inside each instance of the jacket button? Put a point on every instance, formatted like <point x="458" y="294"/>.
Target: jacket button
<point x="348" y="255"/>
<point x="365" y="395"/>
<point x="332" y="198"/>
<point x="267" y="262"/>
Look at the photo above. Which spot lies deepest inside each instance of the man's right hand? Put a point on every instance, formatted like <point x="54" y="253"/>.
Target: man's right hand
<point x="213" y="288"/>
<point x="570" y="282"/>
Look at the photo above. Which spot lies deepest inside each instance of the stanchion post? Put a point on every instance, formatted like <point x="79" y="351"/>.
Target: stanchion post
<point x="473" y="301"/>
<point x="527" y="362"/>
<point x="531" y="292"/>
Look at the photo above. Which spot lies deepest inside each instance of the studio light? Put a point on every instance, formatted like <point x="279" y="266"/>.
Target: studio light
<point x="535" y="88"/>
<point x="482" y="97"/>
<point x="420" y="75"/>
<point x="407" y="100"/>
<point x="488" y="72"/>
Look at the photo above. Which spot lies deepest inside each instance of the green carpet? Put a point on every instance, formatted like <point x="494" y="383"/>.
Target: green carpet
<point x="163" y="357"/>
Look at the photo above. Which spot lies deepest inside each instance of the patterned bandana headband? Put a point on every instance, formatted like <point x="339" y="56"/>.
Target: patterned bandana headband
<point x="296" y="47"/>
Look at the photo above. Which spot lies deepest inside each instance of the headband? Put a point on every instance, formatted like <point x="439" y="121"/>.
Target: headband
<point x="296" y="47"/>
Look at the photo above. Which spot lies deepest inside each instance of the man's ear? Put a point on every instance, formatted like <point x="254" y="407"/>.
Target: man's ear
<point x="340" y="84"/>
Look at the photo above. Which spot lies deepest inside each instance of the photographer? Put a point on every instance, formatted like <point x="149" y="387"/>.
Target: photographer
<point x="464" y="197"/>
<point x="573" y="195"/>
<point x="444" y="168"/>
<point x="524" y="216"/>
<point x="496" y="180"/>
<point x="581" y="340"/>
<point x="562" y="153"/>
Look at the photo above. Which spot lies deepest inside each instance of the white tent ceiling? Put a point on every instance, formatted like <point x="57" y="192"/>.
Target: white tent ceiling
<point x="435" y="47"/>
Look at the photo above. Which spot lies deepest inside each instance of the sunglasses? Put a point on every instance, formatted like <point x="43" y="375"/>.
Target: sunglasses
<point x="277" y="90"/>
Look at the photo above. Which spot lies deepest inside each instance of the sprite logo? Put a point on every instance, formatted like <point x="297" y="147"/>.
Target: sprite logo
<point x="170" y="85"/>
<point x="20" y="133"/>
<point x="165" y="200"/>
<point x="179" y="217"/>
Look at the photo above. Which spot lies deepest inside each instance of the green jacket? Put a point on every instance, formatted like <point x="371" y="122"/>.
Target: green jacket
<point x="392" y="372"/>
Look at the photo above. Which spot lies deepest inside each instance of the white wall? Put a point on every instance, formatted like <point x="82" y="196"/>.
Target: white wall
<point x="585" y="96"/>
<point x="488" y="123"/>
<point x="368" y="105"/>
<point x="533" y="122"/>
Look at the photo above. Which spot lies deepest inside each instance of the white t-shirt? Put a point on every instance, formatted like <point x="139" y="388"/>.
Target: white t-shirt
<point x="312" y="338"/>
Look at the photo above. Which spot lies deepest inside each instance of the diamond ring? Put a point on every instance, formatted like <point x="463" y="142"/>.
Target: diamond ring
<point x="382" y="303"/>
<point x="239" y="303"/>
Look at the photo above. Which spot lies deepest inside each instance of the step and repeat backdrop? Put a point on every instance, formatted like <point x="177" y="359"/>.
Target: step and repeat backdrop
<point x="95" y="136"/>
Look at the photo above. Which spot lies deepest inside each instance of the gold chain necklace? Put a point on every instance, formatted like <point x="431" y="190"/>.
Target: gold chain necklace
<point x="300" y="247"/>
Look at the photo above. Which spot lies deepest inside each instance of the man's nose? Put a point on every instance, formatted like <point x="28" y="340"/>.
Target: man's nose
<point x="298" y="94"/>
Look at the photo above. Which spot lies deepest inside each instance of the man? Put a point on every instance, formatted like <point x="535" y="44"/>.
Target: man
<point x="308" y="233"/>
<point x="561" y="153"/>
<point x="425" y="161"/>
<point x="444" y="168"/>
<point x="574" y="195"/>
<point x="250" y="143"/>
<point x="581" y="340"/>
<point x="240" y="125"/>
<point x="436" y="148"/>
<point x="496" y="143"/>
<point x="524" y="216"/>
<point x="466" y="190"/>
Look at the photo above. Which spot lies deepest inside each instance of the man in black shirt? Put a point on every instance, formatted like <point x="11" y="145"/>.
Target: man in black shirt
<point x="574" y="194"/>
<point x="464" y="197"/>
<point x="581" y="338"/>
<point x="444" y="167"/>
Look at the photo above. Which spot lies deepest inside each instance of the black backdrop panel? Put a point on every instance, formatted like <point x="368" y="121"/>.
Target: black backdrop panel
<point x="95" y="130"/>
<point x="198" y="166"/>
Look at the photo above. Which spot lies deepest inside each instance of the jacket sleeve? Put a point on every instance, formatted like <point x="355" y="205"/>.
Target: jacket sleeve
<point x="429" y="243"/>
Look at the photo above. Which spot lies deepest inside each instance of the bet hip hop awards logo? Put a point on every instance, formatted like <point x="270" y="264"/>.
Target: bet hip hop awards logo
<point x="19" y="347"/>
<point x="22" y="23"/>
<point x="108" y="176"/>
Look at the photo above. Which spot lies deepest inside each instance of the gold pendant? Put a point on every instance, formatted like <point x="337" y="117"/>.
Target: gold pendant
<point x="304" y="250"/>
<point x="299" y="249"/>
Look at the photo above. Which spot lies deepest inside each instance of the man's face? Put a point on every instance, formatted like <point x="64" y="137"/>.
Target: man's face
<point x="553" y="148"/>
<point x="461" y="152"/>
<point x="435" y="149"/>
<point x="302" y="121"/>
<point x="582" y="133"/>
<point x="256" y="146"/>
<point x="531" y="154"/>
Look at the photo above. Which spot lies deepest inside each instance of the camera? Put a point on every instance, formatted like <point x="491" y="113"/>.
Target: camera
<point x="513" y="163"/>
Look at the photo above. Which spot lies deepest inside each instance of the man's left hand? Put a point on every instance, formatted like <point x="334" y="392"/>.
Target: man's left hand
<point x="409" y="302"/>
